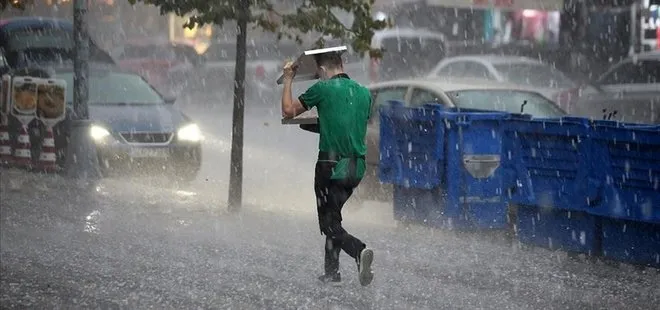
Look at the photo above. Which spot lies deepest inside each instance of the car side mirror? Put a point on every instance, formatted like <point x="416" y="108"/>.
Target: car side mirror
<point x="170" y="99"/>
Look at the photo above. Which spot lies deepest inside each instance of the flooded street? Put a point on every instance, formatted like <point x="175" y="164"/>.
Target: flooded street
<point x="137" y="243"/>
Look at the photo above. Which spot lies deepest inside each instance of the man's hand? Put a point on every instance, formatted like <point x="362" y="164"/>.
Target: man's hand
<point x="289" y="71"/>
<point x="290" y="107"/>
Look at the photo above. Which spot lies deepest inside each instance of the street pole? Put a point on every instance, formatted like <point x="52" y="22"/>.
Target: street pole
<point x="81" y="159"/>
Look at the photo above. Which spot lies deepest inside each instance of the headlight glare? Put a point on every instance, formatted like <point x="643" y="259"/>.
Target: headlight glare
<point x="98" y="132"/>
<point x="190" y="132"/>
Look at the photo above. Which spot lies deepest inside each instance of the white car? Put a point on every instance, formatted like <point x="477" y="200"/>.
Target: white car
<point x="408" y="53"/>
<point x="638" y="73"/>
<point x="629" y="92"/>
<point x="509" y="69"/>
<point x="461" y="93"/>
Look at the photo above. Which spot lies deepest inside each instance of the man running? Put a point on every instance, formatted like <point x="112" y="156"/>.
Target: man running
<point x="343" y="107"/>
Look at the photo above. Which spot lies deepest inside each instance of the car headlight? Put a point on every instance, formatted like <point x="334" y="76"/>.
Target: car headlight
<point x="190" y="132"/>
<point x="98" y="132"/>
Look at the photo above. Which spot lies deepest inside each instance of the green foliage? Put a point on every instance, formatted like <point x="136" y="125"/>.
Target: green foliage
<point x="310" y="16"/>
<point x="18" y="4"/>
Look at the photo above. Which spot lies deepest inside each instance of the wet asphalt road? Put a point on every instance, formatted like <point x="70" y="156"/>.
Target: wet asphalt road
<point x="138" y="243"/>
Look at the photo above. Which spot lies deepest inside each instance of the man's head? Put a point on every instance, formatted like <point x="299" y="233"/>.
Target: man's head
<point x="328" y="64"/>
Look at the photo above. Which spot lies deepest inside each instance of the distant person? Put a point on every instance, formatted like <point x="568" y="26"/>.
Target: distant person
<point x="344" y="107"/>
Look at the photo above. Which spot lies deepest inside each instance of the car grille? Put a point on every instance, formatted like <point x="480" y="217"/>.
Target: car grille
<point x="146" y="137"/>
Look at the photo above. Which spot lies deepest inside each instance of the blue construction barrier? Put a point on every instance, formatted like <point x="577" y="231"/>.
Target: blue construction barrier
<point x="548" y="162"/>
<point x="600" y="179"/>
<point x="630" y="241"/>
<point x="411" y="154"/>
<point x="411" y="158"/>
<point x="629" y="157"/>
<point x="571" y="183"/>
<point x="473" y="179"/>
<point x="551" y="181"/>
<point x="444" y="165"/>
<point x="557" y="229"/>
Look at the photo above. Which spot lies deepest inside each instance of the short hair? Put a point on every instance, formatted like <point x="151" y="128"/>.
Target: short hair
<point x="330" y="60"/>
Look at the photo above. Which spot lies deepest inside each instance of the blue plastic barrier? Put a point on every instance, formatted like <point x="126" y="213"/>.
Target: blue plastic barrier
<point x="630" y="241"/>
<point x="474" y="178"/>
<point x="444" y="165"/>
<point x="571" y="231"/>
<point x="577" y="185"/>
<point x="629" y="162"/>
<point x="550" y="179"/>
<point x="550" y="162"/>
<point x="412" y="159"/>
<point x="389" y="170"/>
<point x="411" y="146"/>
<point x="602" y="170"/>
<point x="630" y="207"/>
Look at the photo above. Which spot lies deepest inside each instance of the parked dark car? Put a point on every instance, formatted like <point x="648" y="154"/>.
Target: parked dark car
<point x="29" y="41"/>
<point x="135" y="127"/>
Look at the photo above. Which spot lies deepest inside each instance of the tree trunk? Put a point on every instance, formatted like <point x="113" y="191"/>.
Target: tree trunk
<point x="236" y="165"/>
<point x="81" y="59"/>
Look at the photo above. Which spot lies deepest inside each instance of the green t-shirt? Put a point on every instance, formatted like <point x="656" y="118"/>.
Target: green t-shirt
<point x="343" y="107"/>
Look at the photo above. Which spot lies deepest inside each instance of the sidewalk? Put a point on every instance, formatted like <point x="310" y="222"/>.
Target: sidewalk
<point x="191" y="246"/>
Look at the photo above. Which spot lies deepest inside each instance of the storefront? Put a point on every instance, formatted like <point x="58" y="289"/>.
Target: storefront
<point x="497" y="21"/>
<point x="111" y="22"/>
<point x="198" y="37"/>
<point x="650" y="24"/>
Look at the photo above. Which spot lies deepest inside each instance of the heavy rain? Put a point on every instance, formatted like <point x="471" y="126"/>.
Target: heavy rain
<point x="512" y="154"/>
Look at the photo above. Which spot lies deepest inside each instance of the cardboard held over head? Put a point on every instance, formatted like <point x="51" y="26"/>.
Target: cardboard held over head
<point x="305" y="71"/>
<point x="306" y="64"/>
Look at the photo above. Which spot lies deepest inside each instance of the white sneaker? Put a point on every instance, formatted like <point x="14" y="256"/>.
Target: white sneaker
<point x="365" y="274"/>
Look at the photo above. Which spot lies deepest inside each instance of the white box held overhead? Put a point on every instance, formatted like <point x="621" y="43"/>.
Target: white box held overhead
<point x="306" y="65"/>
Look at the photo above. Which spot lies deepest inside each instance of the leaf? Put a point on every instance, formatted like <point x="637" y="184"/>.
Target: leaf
<point x="310" y="17"/>
<point x="21" y="5"/>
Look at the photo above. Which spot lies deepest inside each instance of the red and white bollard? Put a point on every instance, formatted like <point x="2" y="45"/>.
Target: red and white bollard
<point x="48" y="158"/>
<point x="22" y="150"/>
<point x="5" y="144"/>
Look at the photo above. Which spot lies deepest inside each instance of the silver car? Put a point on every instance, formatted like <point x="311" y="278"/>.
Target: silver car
<point x="461" y="93"/>
<point x="507" y="69"/>
<point x="629" y="92"/>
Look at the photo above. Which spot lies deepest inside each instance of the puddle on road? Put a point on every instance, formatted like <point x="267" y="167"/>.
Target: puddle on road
<point x="92" y="221"/>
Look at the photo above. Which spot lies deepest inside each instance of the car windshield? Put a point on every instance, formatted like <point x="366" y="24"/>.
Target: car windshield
<point x="57" y="38"/>
<point x="538" y="75"/>
<point x="114" y="88"/>
<point x="505" y="100"/>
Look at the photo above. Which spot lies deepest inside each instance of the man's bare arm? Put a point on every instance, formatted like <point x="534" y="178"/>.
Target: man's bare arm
<point x="291" y="107"/>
